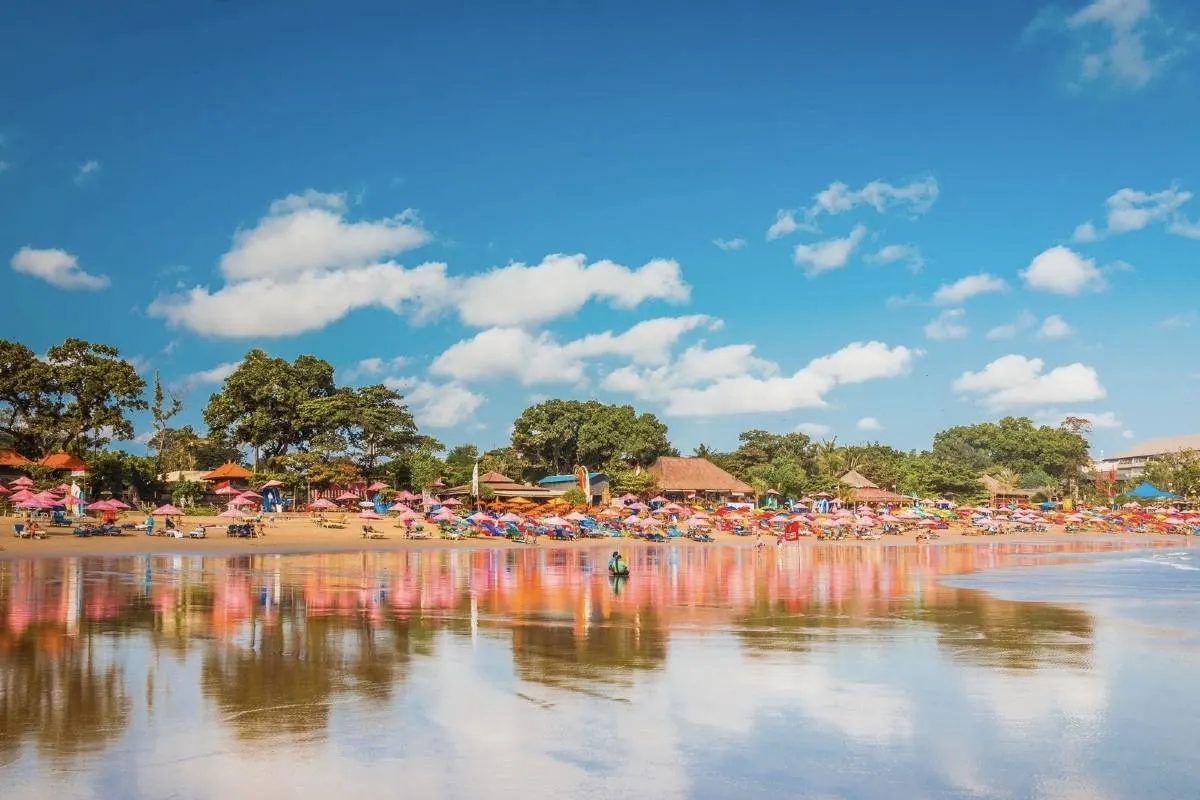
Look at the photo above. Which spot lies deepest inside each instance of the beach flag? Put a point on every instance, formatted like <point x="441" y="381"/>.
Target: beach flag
<point x="475" y="480"/>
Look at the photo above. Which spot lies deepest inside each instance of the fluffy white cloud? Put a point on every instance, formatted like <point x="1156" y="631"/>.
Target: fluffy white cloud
<point x="908" y="253"/>
<point x="522" y="295"/>
<point x="828" y="255"/>
<point x="309" y="231"/>
<point x="306" y="302"/>
<point x="1132" y="210"/>
<point x="1060" y="270"/>
<point x="1054" y="327"/>
<point x="205" y="377"/>
<point x="1025" y="320"/>
<point x="814" y="429"/>
<point x="967" y="287"/>
<point x="869" y="424"/>
<point x="1015" y="380"/>
<point x="730" y="244"/>
<point x="434" y="405"/>
<point x="304" y="266"/>
<point x="540" y="359"/>
<point x="57" y="268"/>
<point x="730" y="380"/>
<point x="1182" y="226"/>
<point x="947" y="325"/>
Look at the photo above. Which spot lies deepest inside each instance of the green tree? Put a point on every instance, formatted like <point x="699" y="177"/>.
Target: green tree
<point x="77" y="398"/>
<point x="162" y="410"/>
<point x="556" y="435"/>
<point x="641" y="483"/>
<point x="266" y="403"/>
<point x="1176" y="472"/>
<point x="365" y="425"/>
<point x="459" y="463"/>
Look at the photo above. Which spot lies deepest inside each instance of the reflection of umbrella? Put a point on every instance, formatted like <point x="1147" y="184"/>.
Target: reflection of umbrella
<point x="167" y="511"/>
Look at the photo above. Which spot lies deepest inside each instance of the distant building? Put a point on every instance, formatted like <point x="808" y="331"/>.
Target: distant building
<point x="685" y="477"/>
<point x="502" y="486"/>
<point x="561" y="484"/>
<point x="1001" y="494"/>
<point x="1130" y="464"/>
<point x="864" y="491"/>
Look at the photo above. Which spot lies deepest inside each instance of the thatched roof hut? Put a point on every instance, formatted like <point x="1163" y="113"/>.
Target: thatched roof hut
<point x="1000" y="493"/>
<point x="692" y="475"/>
<point x="502" y="486"/>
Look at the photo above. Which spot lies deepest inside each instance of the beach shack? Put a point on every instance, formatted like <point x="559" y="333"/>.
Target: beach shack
<point x="865" y="492"/>
<point x="695" y="478"/>
<point x="1001" y="494"/>
<point x="13" y="463"/>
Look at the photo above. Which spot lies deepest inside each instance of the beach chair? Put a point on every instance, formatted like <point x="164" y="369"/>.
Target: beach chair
<point x="369" y="532"/>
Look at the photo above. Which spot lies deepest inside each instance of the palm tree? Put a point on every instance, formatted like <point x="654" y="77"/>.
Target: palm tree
<point x="702" y="451"/>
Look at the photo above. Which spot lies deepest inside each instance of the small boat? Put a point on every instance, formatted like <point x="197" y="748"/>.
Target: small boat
<point x="612" y="573"/>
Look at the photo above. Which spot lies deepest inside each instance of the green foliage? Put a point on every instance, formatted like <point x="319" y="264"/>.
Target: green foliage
<point x="459" y="463"/>
<point x="575" y="496"/>
<point x="161" y="412"/>
<point x="415" y="470"/>
<point x="631" y="481"/>
<point x="200" y="511"/>
<point x="186" y="493"/>
<point x="1176" y="472"/>
<point x="124" y="475"/>
<point x="77" y="399"/>
<point x="556" y="435"/>
<point x="267" y="403"/>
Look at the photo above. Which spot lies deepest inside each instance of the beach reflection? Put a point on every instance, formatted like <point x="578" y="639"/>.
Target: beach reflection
<point x="365" y="666"/>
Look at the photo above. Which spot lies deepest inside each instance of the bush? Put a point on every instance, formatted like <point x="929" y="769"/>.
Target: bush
<point x="575" y="496"/>
<point x="200" y="511"/>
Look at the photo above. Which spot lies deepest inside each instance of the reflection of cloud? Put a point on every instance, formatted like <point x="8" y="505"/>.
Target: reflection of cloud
<point x="1022" y="699"/>
<point x="749" y="687"/>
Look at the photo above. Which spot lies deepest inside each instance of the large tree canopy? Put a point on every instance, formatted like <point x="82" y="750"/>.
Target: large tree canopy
<point x="77" y="398"/>
<point x="264" y="402"/>
<point x="556" y="435"/>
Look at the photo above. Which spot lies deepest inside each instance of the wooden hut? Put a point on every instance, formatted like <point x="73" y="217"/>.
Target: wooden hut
<point x="1001" y="494"/>
<point x="865" y="492"/>
<point x="683" y="477"/>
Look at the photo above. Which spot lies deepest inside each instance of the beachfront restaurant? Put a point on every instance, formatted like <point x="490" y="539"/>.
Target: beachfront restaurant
<point x="504" y="487"/>
<point x="687" y="478"/>
<point x="1000" y="494"/>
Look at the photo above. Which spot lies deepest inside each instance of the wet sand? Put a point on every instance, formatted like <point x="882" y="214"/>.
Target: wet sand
<point x="300" y="534"/>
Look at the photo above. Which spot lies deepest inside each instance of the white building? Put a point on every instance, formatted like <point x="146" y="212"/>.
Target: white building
<point x="1130" y="464"/>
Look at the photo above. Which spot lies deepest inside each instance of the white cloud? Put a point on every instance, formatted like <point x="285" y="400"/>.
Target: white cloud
<point x="1179" y="321"/>
<point x="903" y="301"/>
<point x="1130" y="210"/>
<point x="375" y="365"/>
<point x="521" y="295"/>
<point x="1054" y="327"/>
<point x="57" y="268"/>
<point x="141" y="365"/>
<point x="869" y="424"/>
<point x="730" y="244"/>
<point x="1101" y="420"/>
<point x="1015" y="380"/>
<point x="205" y="377"/>
<point x="838" y="198"/>
<point x="1127" y="434"/>
<point x="1060" y="270"/>
<point x="947" y="325"/>
<point x="908" y="253"/>
<point x="815" y="429"/>
<point x="309" y="231"/>
<point x="730" y="380"/>
<point x="1113" y="36"/>
<point x="967" y="287"/>
<point x="1182" y="226"/>
<point x="1025" y="320"/>
<point x="540" y="359"/>
<point x="306" y="302"/>
<point x="828" y="255"/>
<point x="87" y="169"/>
<point x="785" y="223"/>
<point x="445" y="405"/>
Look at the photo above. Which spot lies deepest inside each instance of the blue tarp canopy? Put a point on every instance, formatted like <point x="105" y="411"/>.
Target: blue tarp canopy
<point x="1145" y="489"/>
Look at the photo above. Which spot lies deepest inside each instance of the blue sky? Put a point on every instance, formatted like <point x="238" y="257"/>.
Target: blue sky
<point x="866" y="219"/>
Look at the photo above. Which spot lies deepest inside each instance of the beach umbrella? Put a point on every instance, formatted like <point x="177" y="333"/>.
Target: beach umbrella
<point x="167" y="510"/>
<point x="101" y="505"/>
<point x="227" y="491"/>
<point x="322" y="505"/>
<point x="376" y="486"/>
<point x="232" y="513"/>
<point x="23" y="482"/>
<point x="575" y="516"/>
<point x="3" y="489"/>
<point x="401" y="508"/>
<point x="452" y="503"/>
<point x="509" y="517"/>
<point x="346" y="496"/>
<point x="478" y="516"/>
<point x="271" y="484"/>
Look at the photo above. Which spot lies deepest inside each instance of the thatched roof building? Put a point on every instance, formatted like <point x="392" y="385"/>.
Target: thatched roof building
<point x="228" y="471"/>
<point x="1000" y="493"/>
<point x="676" y="475"/>
<point x="866" y="491"/>
<point x="502" y="486"/>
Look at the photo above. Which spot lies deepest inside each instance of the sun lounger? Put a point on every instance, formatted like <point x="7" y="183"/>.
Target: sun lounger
<point x="369" y="532"/>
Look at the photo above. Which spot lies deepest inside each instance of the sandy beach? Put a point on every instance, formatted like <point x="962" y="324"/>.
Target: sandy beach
<point x="300" y="534"/>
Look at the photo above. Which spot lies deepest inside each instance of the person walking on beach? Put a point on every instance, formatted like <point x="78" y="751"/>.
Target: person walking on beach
<point x="149" y="524"/>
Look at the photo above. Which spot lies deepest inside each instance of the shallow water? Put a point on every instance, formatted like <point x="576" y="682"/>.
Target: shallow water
<point x="990" y="670"/>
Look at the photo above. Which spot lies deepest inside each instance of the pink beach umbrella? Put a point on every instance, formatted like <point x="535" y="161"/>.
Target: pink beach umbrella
<point x="167" y="510"/>
<point x="20" y="496"/>
<point x="322" y="505"/>
<point x="23" y="482"/>
<point x="232" y="513"/>
<point x="100" y="505"/>
<point x="117" y="505"/>
<point x="401" y="508"/>
<point x="452" y="503"/>
<point x="346" y="497"/>
<point x="510" y="517"/>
